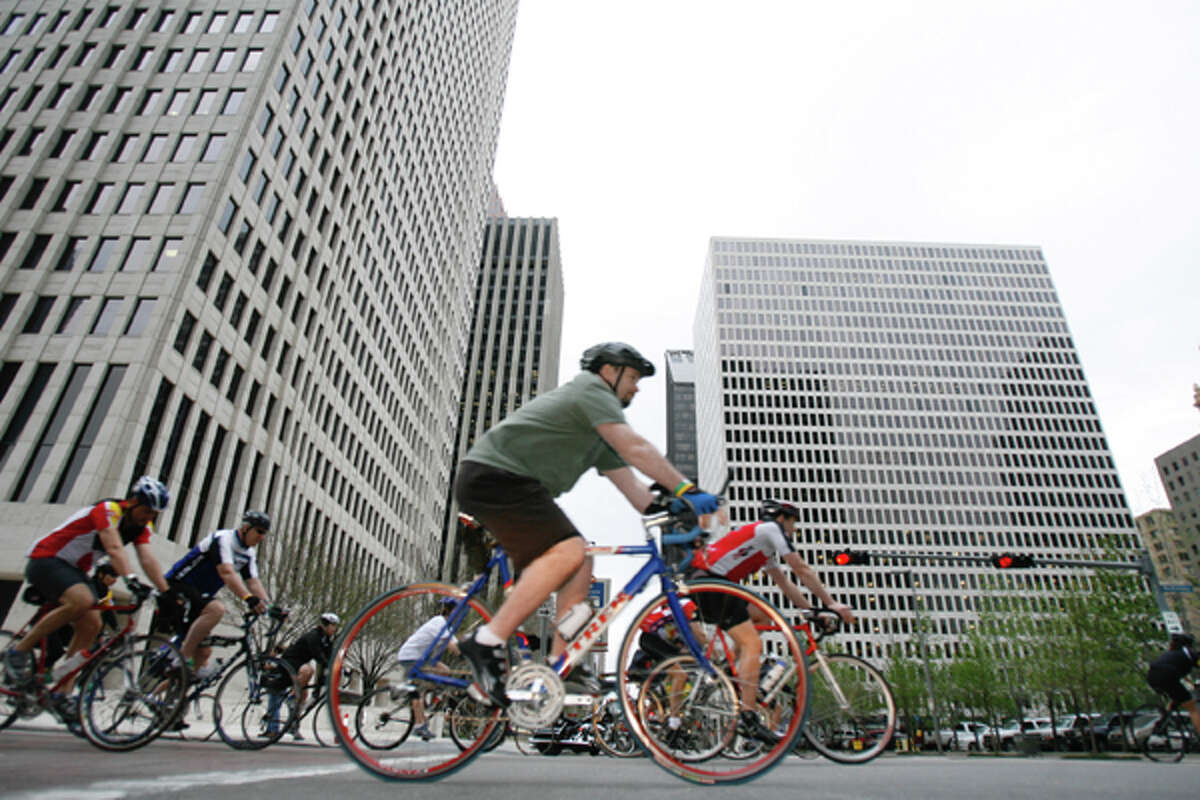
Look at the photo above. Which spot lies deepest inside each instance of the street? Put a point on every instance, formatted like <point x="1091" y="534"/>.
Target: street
<point x="53" y="765"/>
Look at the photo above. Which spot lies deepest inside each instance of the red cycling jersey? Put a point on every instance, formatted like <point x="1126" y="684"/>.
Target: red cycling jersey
<point x="660" y="616"/>
<point x="75" y="540"/>
<point x="744" y="551"/>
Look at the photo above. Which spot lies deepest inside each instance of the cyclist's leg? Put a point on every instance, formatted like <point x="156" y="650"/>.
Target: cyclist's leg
<point x="304" y="676"/>
<point x="202" y="624"/>
<point x="75" y="601"/>
<point x="570" y="594"/>
<point x="1193" y="710"/>
<point x="749" y="651"/>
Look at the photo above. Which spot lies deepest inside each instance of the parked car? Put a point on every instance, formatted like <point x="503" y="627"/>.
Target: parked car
<point x="1127" y="739"/>
<point x="965" y="735"/>
<point x="1075" y="731"/>
<point x="1037" y="726"/>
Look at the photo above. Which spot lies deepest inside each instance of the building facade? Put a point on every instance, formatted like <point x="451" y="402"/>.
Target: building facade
<point x="238" y="248"/>
<point x="681" y="411"/>
<point x="1174" y="559"/>
<point x="515" y="340"/>
<point x="1179" y="543"/>
<point x="909" y="397"/>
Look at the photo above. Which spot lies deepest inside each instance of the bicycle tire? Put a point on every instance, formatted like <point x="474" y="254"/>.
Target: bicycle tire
<point x="713" y="599"/>
<point x="610" y="730"/>
<point x="322" y="730"/>
<point x="256" y="704"/>
<point x="129" y="697"/>
<point x="10" y="700"/>
<point x="384" y="718"/>
<point x="1168" y="741"/>
<point x="202" y="710"/>
<point x="368" y="645"/>
<point x="464" y="720"/>
<point x="845" y="733"/>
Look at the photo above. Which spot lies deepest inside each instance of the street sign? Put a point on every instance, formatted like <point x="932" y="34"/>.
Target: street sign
<point x="1177" y="587"/>
<point x="1171" y="620"/>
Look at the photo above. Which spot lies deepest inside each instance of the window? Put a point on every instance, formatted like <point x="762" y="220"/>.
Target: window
<point x="70" y="315"/>
<point x="202" y="351"/>
<point x="207" y="101"/>
<point x="36" y="187"/>
<point x="142" y="61"/>
<point x="151" y="100"/>
<point x="233" y="101"/>
<point x="104" y="253"/>
<point x="164" y="21"/>
<point x="59" y="94"/>
<point x="253" y="57"/>
<point x="128" y="204"/>
<point x="114" y="53"/>
<point x="264" y="120"/>
<point x="247" y="165"/>
<point x="137" y="257"/>
<point x="70" y="254"/>
<point x="7" y="301"/>
<point x="140" y="319"/>
<point x="38" y="313"/>
<point x="217" y="23"/>
<point x="125" y="149"/>
<point x="183" y="149"/>
<point x="31" y="139"/>
<point x="172" y="61"/>
<point x="198" y="61"/>
<point x="178" y="102"/>
<point x="120" y="100"/>
<point x="184" y="335"/>
<point x="58" y="418"/>
<point x="212" y="150"/>
<point x="82" y="447"/>
<point x="66" y="197"/>
<point x="222" y="295"/>
<point x="168" y="255"/>
<point x="85" y="50"/>
<point x="192" y="22"/>
<point x="13" y="25"/>
<point x="135" y="19"/>
<point x="107" y="16"/>
<point x="30" y="403"/>
<point x="227" y="216"/>
<point x="245" y="20"/>
<point x="225" y="60"/>
<point x="101" y="199"/>
<point x="93" y="145"/>
<point x="192" y="198"/>
<point x="108" y="314"/>
<point x="154" y="148"/>
<point x="60" y="146"/>
<point x="88" y="97"/>
<point x="37" y="249"/>
<point x="160" y="203"/>
<point x="269" y="21"/>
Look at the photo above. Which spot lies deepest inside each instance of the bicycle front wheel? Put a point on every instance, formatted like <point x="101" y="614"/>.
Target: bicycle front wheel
<point x="688" y="711"/>
<point x="851" y="713"/>
<point x="1168" y="740"/>
<point x="611" y="731"/>
<point x="128" y="698"/>
<point x="399" y="729"/>
<point x="322" y="730"/>
<point x="467" y="718"/>
<point x="256" y="703"/>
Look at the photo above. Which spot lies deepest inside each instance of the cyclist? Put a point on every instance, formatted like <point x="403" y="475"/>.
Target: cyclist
<point x="741" y="553"/>
<point x="414" y="647"/>
<point x="1167" y="672"/>
<point x="226" y="557"/>
<point x="59" y="562"/>
<point x="510" y="477"/>
<point x="316" y="645"/>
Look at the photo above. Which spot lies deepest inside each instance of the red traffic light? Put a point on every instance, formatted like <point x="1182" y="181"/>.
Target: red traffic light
<point x="1012" y="561"/>
<point x="845" y="558"/>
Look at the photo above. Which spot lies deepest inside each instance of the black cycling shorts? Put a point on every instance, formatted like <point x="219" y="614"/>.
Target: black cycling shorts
<point x="196" y="599"/>
<point x="52" y="577"/>
<point x="518" y="510"/>
<point x="1169" y="684"/>
<point x="721" y="609"/>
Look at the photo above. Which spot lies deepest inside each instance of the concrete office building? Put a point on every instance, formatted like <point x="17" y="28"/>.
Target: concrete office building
<point x="1178" y="544"/>
<point x="1175" y="561"/>
<point x="681" y="411"/>
<point x="909" y="397"/>
<point x="515" y="342"/>
<point x="238" y="248"/>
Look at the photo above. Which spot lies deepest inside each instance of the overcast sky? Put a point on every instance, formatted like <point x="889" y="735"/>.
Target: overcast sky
<point x="647" y="127"/>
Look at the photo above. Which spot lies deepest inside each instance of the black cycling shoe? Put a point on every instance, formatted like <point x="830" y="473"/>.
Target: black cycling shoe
<point x="750" y="726"/>
<point x="487" y="666"/>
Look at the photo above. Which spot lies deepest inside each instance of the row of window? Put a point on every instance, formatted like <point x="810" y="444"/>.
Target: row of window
<point x="860" y="249"/>
<point x="172" y="59"/>
<point x="151" y="102"/>
<point x="74" y="312"/>
<point x="139" y="254"/>
<point x="106" y="198"/>
<point x="21" y="23"/>
<point x="852" y="360"/>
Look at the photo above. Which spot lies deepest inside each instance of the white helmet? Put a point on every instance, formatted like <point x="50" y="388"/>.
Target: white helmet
<point x="330" y="618"/>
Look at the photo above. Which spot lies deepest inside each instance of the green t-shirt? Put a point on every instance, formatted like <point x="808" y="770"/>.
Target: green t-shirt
<point x="553" y="437"/>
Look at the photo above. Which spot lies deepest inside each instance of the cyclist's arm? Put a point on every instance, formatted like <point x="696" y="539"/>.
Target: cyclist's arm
<point x="150" y="566"/>
<point x="808" y="576"/>
<point x="234" y="581"/>
<point x="636" y="492"/>
<point x="638" y="452"/>
<point x="110" y="540"/>
<point x="258" y="590"/>
<point x="798" y="598"/>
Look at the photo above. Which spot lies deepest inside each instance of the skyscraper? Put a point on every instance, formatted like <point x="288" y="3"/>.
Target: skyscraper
<point x="515" y="337"/>
<point x="681" y="411"/>
<point x="909" y="397"/>
<point x="237" y="251"/>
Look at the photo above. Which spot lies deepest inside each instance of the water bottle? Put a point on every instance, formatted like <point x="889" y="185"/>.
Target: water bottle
<point x="773" y="675"/>
<point x="66" y="665"/>
<point x="570" y="624"/>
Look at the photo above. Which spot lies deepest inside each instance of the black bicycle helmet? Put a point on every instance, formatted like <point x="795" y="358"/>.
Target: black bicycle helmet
<point x="1182" y="640"/>
<point x="257" y="519"/>
<point x="771" y="509"/>
<point x="618" y="353"/>
<point x="150" y="491"/>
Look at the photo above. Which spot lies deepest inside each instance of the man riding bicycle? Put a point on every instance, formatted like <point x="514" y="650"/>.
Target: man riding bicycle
<point x="59" y="563"/>
<point x="738" y="555"/>
<point x="223" y="558"/>
<point x="1167" y="672"/>
<point x="314" y="646"/>
<point x="510" y="477"/>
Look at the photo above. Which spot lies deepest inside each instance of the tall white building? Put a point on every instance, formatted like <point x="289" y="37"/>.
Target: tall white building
<point x="238" y="251"/>
<point x="909" y="397"/>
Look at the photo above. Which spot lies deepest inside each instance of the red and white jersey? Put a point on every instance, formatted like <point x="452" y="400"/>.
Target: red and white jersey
<point x="75" y="540"/>
<point x="661" y="616"/>
<point x="744" y="551"/>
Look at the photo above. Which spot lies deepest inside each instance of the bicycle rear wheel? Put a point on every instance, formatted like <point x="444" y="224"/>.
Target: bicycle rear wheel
<point x="705" y="696"/>
<point x="322" y="728"/>
<point x="256" y="703"/>
<point x="382" y="745"/>
<point x="611" y="731"/>
<point x="129" y="697"/>
<point x="1169" y="740"/>
<point x="466" y="718"/>
<point x="851" y="713"/>
<point x="10" y="700"/>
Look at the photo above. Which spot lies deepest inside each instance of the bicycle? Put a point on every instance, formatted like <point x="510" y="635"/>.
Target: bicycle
<point x="1171" y="737"/>
<point x="851" y="708"/>
<point x="255" y="700"/>
<point x="316" y="714"/>
<point x="130" y="688"/>
<point x="706" y="701"/>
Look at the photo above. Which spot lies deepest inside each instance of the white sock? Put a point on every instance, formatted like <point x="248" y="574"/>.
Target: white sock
<point x="485" y="636"/>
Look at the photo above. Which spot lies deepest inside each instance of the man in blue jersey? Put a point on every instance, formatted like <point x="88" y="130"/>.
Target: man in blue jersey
<point x="223" y="558"/>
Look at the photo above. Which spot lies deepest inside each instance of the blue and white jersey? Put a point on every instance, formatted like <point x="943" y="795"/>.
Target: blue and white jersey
<point x="199" y="565"/>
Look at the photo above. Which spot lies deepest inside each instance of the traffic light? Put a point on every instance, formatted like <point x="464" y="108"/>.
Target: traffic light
<point x="1012" y="561"/>
<point x="846" y="558"/>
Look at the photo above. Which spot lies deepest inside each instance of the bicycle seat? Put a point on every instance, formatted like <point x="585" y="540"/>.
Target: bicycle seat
<point x="33" y="597"/>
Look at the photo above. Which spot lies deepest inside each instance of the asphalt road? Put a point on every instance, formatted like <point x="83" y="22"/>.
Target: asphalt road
<point x="53" y="765"/>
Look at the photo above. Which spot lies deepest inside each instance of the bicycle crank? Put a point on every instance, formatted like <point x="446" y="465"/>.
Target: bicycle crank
<point x="536" y="696"/>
